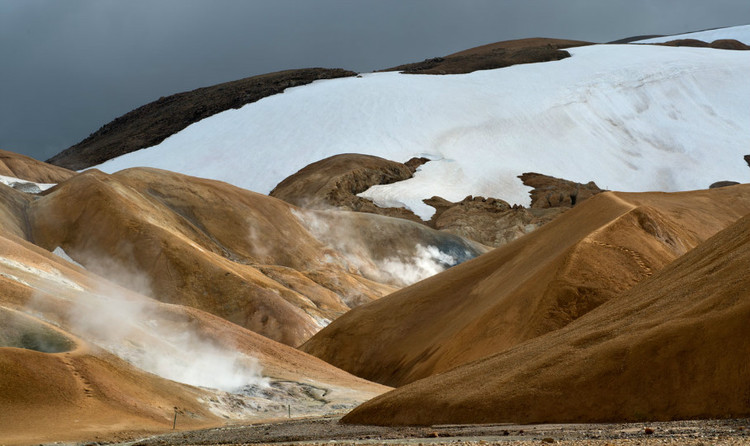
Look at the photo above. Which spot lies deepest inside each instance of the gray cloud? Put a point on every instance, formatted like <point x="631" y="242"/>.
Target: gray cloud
<point x="69" y="67"/>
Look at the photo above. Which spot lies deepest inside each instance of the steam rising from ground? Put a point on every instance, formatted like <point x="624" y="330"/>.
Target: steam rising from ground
<point x="427" y="261"/>
<point x="169" y="348"/>
<point x="138" y="330"/>
<point x="399" y="259"/>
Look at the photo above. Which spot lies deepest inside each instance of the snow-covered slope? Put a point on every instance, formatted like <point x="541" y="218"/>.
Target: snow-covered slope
<point x="741" y="33"/>
<point x="630" y="117"/>
<point x="26" y="186"/>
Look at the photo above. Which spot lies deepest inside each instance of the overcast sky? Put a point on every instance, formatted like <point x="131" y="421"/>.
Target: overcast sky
<point x="69" y="66"/>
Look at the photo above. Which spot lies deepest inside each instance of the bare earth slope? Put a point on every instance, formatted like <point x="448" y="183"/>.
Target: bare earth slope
<point x="494" y="55"/>
<point x="532" y="286"/>
<point x="150" y="124"/>
<point x="674" y="346"/>
<point x="334" y="182"/>
<point x="251" y="259"/>
<point x="82" y="359"/>
<point x="20" y="166"/>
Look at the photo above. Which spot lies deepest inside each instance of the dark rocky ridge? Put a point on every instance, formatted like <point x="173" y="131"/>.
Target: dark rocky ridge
<point x="150" y="124"/>
<point x="496" y="55"/>
<point x="721" y="44"/>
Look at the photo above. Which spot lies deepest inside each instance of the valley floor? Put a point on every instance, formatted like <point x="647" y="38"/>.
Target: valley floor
<point x="327" y="430"/>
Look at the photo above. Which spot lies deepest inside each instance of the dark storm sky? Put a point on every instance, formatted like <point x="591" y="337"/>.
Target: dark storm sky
<point x="69" y="66"/>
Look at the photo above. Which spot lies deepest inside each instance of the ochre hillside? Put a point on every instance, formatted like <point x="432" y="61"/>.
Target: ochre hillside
<point x="81" y="358"/>
<point x="532" y="286"/>
<point x="26" y="168"/>
<point x="254" y="260"/>
<point x="673" y="347"/>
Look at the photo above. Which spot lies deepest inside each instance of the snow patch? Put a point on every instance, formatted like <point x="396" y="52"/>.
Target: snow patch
<point x="629" y="117"/>
<point x="64" y="255"/>
<point x="24" y="185"/>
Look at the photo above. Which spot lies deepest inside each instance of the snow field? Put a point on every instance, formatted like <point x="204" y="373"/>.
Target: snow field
<point x="630" y="117"/>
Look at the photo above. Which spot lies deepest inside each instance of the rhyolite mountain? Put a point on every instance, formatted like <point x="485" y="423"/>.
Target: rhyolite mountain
<point x="166" y="282"/>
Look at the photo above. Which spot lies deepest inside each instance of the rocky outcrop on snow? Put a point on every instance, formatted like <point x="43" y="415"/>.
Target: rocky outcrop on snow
<point x="551" y="192"/>
<point x="722" y="44"/>
<point x="489" y="221"/>
<point x="496" y="55"/>
<point x="334" y="182"/>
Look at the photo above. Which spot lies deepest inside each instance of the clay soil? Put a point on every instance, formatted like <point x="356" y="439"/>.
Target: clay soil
<point x="314" y="431"/>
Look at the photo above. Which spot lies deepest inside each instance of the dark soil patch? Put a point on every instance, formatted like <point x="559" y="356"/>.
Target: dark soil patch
<point x="150" y="124"/>
<point x="495" y="55"/>
<point x="634" y="39"/>
<point x="722" y="44"/>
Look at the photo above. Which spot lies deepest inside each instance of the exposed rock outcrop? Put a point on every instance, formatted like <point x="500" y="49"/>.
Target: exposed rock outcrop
<point x="489" y="221"/>
<point x="722" y="184"/>
<point x="495" y="55"/>
<point x="722" y="44"/>
<point x="334" y="182"/>
<point x="551" y="192"/>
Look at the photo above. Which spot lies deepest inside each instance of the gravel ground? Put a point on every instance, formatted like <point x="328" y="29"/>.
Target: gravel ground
<point x="327" y="430"/>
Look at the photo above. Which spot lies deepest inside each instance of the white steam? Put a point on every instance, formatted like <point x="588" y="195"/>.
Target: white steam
<point x="402" y="266"/>
<point x="150" y="337"/>
<point x="426" y="262"/>
<point x="167" y="347"/>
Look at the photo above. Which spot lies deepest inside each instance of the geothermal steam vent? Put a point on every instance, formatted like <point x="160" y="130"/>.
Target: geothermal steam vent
<point x="21" y="331"/>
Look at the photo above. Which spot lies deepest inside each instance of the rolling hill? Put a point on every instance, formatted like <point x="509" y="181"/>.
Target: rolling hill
<point x="673" y="347"/>
<point x="535" y="285"/>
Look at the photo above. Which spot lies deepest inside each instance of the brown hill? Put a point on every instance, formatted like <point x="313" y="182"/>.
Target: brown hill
<point x="722" y="44"/>
<point x="494" y="55"/>
<point x="61" y="328"/>
<point x="334" y="182"/>
<point x="26" y="168"/>
<point x="150" y="124"/>
<point x="532" y="286"/>
<point x="251" y="259"/>
<point x="675" y="346"/>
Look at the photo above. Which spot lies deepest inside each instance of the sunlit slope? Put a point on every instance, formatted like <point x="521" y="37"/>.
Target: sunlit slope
<point x="251" y="259"/>
<point x="20" y="166"/>
<point x="629" y="117"/>
<point x="532" y="286"/>
<point x="83" y="359"/>
<point x="57" y="386"/>
<point x="674" y="346"/>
